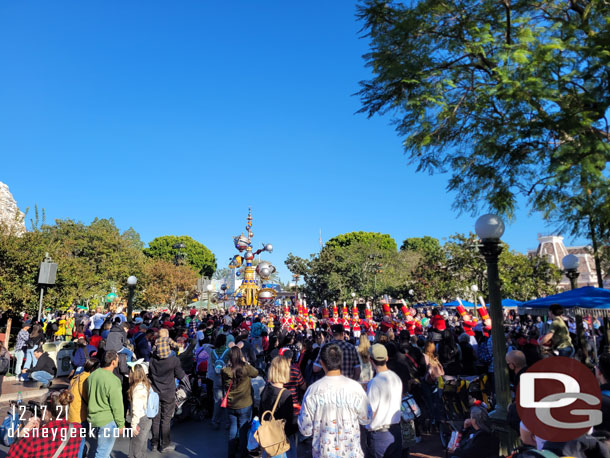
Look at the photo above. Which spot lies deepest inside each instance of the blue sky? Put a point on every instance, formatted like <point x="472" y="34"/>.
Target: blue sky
<point x="175" y="117"/>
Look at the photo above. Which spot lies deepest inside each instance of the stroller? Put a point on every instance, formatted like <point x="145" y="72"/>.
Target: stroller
<point x="191" y="400"/>
<point x="459" y="394"/>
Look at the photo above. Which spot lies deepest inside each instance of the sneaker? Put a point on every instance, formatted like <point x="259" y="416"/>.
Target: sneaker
<point x="168" y="448"/>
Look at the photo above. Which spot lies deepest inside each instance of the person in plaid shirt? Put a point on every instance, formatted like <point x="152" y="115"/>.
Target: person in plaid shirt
<point x="350" y="364"/>
<point x="164" y="345"/>
<point x="43" y="441"/>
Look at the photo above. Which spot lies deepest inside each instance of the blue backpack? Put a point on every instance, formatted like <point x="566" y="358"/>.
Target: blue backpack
<point x="152" y="405"/>
<point x="8" y="429"/>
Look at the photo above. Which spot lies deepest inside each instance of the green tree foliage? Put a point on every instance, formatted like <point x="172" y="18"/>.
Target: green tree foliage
<point x="197" y="255"/>
<point x="91" y="260"/>
<point x="427" y="246"/>
<point x="443" y="278"/>
<point x="510" y="97"/>
<point x="381" y="241"/>
<point x="365" y="263"/>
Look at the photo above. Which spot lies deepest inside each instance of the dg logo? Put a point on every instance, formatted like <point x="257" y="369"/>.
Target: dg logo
<point x="559" y="399"/>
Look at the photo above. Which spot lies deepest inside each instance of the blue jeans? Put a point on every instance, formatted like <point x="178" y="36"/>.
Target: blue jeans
<point x="219" y="414"/>
<point x="385" y="444"/>
<point x="81" y="451"/>
<point x="105" y="440"/>
<point x="239" y="424"/>
<point x="18" y="361"/>
<point x="566" y="351"/>
<point x="40" y="376"/>
<point x="30" y="359"/>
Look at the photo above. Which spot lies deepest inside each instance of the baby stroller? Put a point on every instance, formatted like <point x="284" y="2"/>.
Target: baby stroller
<point x="191" y="400"/>
<point x="459" y="394"/>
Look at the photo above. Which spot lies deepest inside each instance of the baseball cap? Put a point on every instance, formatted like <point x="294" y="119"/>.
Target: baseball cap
<point x="138" y="320"/>
<point x="379" y="353"/>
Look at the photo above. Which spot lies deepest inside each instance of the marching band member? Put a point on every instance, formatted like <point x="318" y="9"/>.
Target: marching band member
<point x="356" y="321"/>
<point x="346" y="319"/>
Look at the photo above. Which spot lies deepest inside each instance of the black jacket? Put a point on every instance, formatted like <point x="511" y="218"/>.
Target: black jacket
<point x="284" y="410"/>
<point x="583" y="447"/>
<point x="45" y="363"/>
<point x="163" y="374"/>
<point x="142" y="346"/>
<point x="480" y="445"/>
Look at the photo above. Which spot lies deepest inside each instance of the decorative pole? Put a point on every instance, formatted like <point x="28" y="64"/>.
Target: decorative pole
<point x="490" y="228"/>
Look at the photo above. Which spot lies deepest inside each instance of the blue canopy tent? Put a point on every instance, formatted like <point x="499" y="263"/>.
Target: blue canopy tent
<point x="509" y="304"/>
<point x="456" y="303"/>
<point x="582" y="301"/>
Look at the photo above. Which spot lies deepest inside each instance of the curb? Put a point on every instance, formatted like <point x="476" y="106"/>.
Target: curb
<point x="29" y="394"/>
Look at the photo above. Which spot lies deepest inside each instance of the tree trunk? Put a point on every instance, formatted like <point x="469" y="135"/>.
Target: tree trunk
<point x="598" y="264"/>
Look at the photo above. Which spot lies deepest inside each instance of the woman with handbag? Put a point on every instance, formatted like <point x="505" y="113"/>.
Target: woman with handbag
<point x="278" y="375"/>
<point x="238" y="399"/>
<point x="434" y="370"/>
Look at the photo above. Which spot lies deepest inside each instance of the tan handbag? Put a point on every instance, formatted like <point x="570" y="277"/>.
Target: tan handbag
<point x="270" y="434"/>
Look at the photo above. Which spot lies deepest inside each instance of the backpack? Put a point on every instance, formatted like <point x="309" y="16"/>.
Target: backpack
<point x="8" y="429"/>
<point x="270" y="434"/>
<point x="219" y="363"/>
<point x="152" y="404"/>
<point x="5" y="363"/>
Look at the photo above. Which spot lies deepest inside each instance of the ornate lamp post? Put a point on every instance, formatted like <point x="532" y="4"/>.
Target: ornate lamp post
<point x="132" y="281"/>
<point x="490" y="228"/>
<point x="179" y="255"/>
<point x="210" y="289"/>
<point x="570" y="264"/>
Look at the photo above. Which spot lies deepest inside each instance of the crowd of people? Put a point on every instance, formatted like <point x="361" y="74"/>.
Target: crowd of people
<point x="337" y="385"/>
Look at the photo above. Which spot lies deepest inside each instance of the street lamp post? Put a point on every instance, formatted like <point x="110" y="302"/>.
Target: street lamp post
<point x="475" y="290"/>
<point x="210" y="288"/>
<point x="490" y="228"/>
<point x="132" y="281"/>
<point x="570" y="266"/>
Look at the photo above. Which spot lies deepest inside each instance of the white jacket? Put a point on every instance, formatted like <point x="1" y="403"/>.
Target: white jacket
<point x="138" y="404"/>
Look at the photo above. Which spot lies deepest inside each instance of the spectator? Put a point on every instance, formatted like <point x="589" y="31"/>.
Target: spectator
<point x="80" y="355"/>
<point x="602" y="373"/>
<point x="278" y="375"/>
<point x="517" y="365"/>
<point x="21" y="346"/>
<point x="79" y="389"/>
<point x="139" y="387"/>
<point x="333" y="422"/>
<point x="350" y="364"/>
<point x="477" y="438"/>
<point x="117" y="338"/>
<point x="384" y="437"/>
<point x="43" y="372"/>
<point x="36" y="340"/>
<point x="143" y="343"/>
<point x="164" y="369"/>
<point x="558" y="334"/>
<point x="366" y="369"/>
<point x="468" y="354"/>
<point x="296" y="384"/>
<point x="105" y="405"/>
<point x="218" y="359"/>
<point x="42" y="437"/>
<point x="236" y="377"/>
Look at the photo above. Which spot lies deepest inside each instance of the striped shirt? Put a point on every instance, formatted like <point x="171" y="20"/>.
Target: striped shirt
<point x="296" y="380"/>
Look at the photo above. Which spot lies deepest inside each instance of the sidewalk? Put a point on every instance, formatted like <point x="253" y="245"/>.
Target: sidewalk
<point x="29" y="390"/>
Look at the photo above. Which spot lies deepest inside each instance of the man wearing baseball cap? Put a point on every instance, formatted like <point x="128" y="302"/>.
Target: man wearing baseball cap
<point x="384" y="392"/>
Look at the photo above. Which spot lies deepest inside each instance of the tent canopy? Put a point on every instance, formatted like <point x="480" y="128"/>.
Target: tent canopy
<point x="456" y="303"/>
<point x="585" y="301"/>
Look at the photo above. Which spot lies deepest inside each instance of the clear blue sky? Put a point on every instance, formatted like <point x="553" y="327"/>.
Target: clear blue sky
<point x="175" y="117"/>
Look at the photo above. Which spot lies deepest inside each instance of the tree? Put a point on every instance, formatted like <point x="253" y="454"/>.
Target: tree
<point x="427" y="246"/>
<point x="167" y="284"/>
<point x="382" y="241"/>
<point x="92" y="259"/>
<point x="197" y="255"/>
<point x="510" y="97"/>
<point x="365" y="263"/>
